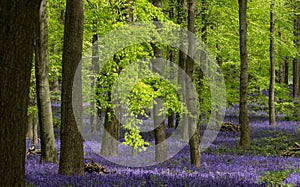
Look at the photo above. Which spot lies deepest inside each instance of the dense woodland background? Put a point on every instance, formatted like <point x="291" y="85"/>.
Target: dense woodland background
<point x="256" y="45"/>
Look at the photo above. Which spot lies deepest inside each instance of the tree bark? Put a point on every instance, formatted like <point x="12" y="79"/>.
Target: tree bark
<point x="296" y="63"/>
<point x="110" y="140"/>
<point x="48" y="145"/>
<point x="194" y="127"/>
<point x="17" y="18"/>
<point x="71" y="158"/>
<point x="95" y="70"/>
<point x="286" y="71"/>
<point x="272" y="120"/>
<point x="243" y="117"/>
<point x="181" y="20"/>
<point x="160" y="130"/>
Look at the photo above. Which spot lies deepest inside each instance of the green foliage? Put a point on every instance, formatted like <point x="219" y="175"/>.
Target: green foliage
<point x="276" y="178"/>
<point x="222" y="38"/>
<point x="292" y="110"/>
<point x="32" y="111"/>
<point x="272" y="144"/>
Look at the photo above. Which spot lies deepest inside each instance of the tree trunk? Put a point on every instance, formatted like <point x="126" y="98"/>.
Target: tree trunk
<point x="286" y="69"/>
<point x="296" y="63"/>
<point x="194" y="127"/>
<point x="35" y="137"/>
<point x="110" y="139"/>
<point x="243" y="117"/>
<point x="171" y="120"/>
<point x="281" y="73"/>
<point x="272" y="120"/>
<point x="95" y="70"/>
<point x="71" y="158"/>
<point x="182" y="63"/>
<point x="17" y="20"/>
<point x="160" y="130"/>
<point x="48" y="145"/>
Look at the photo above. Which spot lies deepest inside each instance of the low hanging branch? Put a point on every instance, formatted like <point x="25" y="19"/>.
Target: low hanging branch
<point x="93" y="167"/>
<point x="292" y="151"/>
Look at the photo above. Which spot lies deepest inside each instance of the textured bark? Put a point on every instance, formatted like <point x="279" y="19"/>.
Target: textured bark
<point x="71" y="158"/>
<point x="48" y="145"/>
<point x="171" y="57"/>
<point x="160" y="130"/>
<point x="286" y="71"/>
<point x="32" y="130"/>
<point x="95" y="70"/>
<point x="182" y="64"/>
<point x="17" y="18"/>
<point x="190" y="97"/>
<point x="272" y="120"/>
<point x="296" y="63"/>
<point x="110" y="139"/>
<point x="171" y="121"/>
<point x="243" y="117"/>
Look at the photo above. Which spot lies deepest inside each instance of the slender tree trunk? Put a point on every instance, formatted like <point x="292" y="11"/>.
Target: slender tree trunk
<point x="296" y="63"/>
<point x="95" y="70"/>
<point x="171" y="120"/>
<point x="17" y="18"/>
<point x="272" y="120"/>
<point x="160" y="130"/>
<point x="281" y="73"/>
<point x="194" y="127"/>
<point x="286" y="71"/>
<point x="48" y="145"/>
<point x="182" y="65"/>
<point x="35" y="137"/>
<point x="171" y="56"/>
<point x="243" y="117"/>
<point x="110" y="140"/>
<point x="29" y="133"/>
<point x="71" y="158"/>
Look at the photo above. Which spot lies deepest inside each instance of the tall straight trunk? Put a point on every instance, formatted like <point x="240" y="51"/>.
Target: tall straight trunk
<point x="243" y="117"/>
<point x="160" y="130"/>
<point x="32" y="128"/>
<point x="48" y="145"/>
<point x="71" y="158"/>
<point x="272" y="120"/>
<point x="171" y="59"/>
<point x="17" y="18"/>
<point x="281" y="75"/>
<point x="295" y="78"/>
<point x="35" y="138"/>
<point x="194" y="127"/>
<point x="286" y="71"/>
<point x="296" y="63"/>
<point x="95" y="70"/>
<point x="181" y="20"/>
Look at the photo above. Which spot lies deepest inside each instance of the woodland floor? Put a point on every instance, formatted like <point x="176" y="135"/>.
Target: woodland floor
<point x="222" y="164"/>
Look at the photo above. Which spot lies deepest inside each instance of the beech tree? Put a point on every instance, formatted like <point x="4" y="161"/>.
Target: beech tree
<point x="243" y="117"/>
<point x="48" y="145"/>
<point x="71" y="158"/>
<point x="17" y="18"/>
<point x="272" y="120"/>
<point x="296" y="62"/>
<point x="190" y="98"/>
<point x="160" y="130"/>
